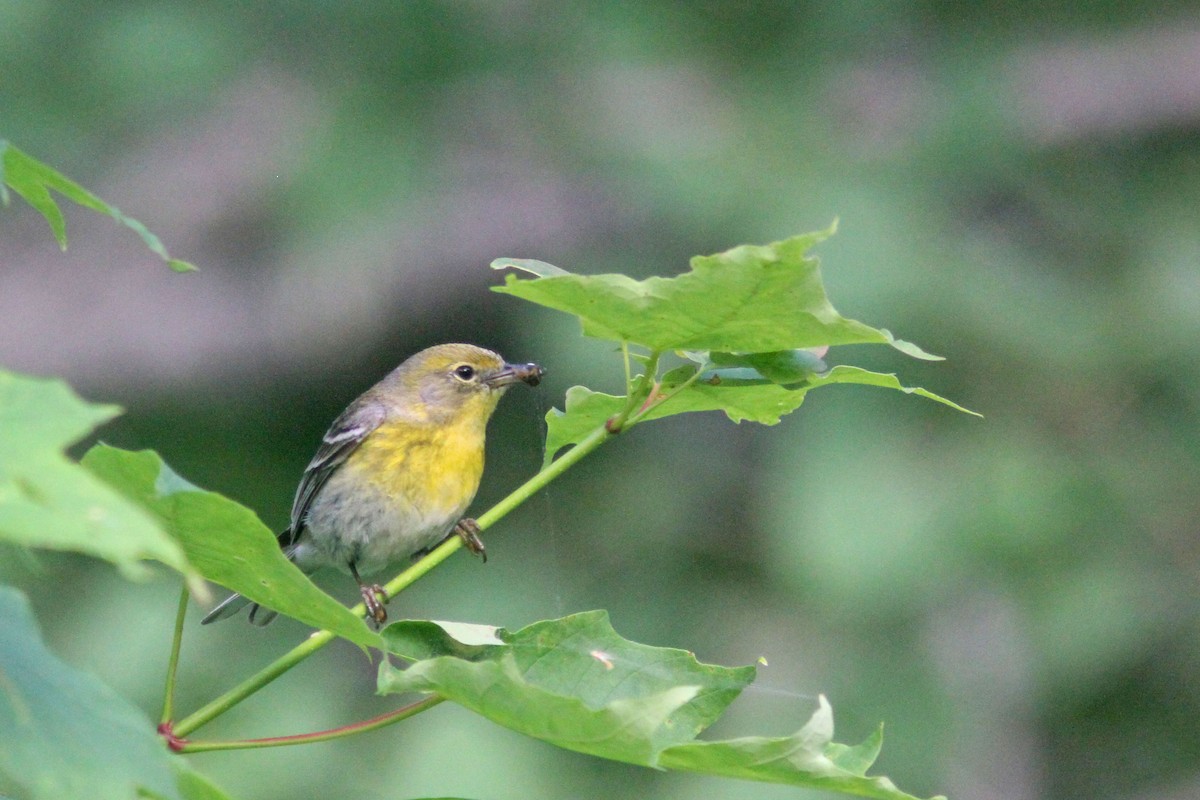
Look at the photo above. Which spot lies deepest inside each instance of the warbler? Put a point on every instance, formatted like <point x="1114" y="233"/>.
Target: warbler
<point x="396" y="470"/>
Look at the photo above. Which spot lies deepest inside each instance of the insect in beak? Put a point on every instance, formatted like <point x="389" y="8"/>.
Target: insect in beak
<point x="516" y="373"/>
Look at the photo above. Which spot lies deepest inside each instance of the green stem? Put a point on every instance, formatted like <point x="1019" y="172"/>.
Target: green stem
<point x="646" y="408"/>
<point x="375" y="723"/>
<point x="252" y="684"/>
<point x="636" y="397"/>
<point x="173" y="663"/>
<point x="405" y="579"/>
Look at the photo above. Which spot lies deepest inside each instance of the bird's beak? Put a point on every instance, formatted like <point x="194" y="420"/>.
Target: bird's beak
<point x="516" y="373"/>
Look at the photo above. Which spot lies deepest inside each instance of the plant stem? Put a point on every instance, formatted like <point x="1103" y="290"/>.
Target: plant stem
<point x="636" y="397"/>
<point x="653" y="402"/>
<point x="320" y="639"/>
<point x="252" y="684"/>
<point x="173" y="663"/>
<point x="381" y="721"/>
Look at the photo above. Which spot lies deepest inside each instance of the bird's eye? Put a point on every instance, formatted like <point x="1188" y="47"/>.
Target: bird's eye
<point x="464" y="372"/>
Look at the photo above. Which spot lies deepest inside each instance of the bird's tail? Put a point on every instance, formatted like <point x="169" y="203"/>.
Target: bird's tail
<point x="233" y="604"/>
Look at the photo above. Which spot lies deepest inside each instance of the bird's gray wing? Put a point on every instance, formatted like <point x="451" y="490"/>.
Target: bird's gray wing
<point x="343" y="437"/>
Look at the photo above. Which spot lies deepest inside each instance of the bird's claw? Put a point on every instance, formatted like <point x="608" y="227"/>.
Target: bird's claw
<point x="468" y="530"/>
<point x="374" y="596"/>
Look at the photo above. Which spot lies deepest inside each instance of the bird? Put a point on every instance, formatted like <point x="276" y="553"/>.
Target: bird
<point x="396" y="471"/>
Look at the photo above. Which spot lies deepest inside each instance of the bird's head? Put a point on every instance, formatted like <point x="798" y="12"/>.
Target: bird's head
<point x="453" y="380"/>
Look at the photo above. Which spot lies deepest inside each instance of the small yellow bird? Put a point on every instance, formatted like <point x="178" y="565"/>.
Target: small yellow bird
<point x="396" y="471"/>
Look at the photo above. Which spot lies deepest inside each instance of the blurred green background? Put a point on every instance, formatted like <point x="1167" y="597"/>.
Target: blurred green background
<point x="1017" y="185"/>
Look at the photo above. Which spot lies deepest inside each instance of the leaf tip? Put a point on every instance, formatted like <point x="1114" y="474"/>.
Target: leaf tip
<point x="908" y="348"/>
<point x="538" y="269"/>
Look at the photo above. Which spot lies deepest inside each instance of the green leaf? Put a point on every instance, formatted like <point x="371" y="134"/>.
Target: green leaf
<point x="742" y="393"/>
<point x="857" y="758"/>
<point x="783" y="366"/>
<point x="755" y="399"/>
<point x="575" y="683"/>
<point x="420" y="639"/>
<point x="33" y="180"/>
<point x="750" y="299"/>
<point x="751" y="318"/>
<point x="743" y="397"/>
<point x="48" y="501"/>
<point x="224" y="540"/>
<point x="847" y="374"/>
<point x="63" y="733"/>
<point x="534" y="267"/>
<point x="808" y="758"/>
<point x="585" y="411"/>
<point x="572" y="682"/>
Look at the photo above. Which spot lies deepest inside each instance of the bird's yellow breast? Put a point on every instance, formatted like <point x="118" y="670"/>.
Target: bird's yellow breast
<point x="434" y="468"/>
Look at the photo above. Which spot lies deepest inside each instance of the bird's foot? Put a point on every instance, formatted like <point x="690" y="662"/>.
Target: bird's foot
<point x="374" y="596"/>
<point x="468" y="530"/>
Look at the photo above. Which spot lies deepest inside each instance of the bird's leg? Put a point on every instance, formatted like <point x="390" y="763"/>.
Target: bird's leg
<point x="374" y="596"/>
<point x="468" y="530"/>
